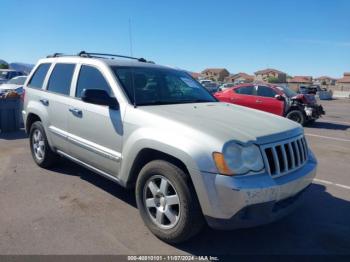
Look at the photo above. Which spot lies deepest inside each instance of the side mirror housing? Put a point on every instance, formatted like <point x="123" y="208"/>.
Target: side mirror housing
<point x="279" y="97"/>
<point x="99" y="97"/>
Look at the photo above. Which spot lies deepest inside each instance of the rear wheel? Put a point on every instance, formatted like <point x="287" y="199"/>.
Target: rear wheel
<point x="296" y="116"/>
<point x="167" y="202"/>
<point x="39" y="146"/>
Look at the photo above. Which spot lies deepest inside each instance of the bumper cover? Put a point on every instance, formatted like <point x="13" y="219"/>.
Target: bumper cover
<point x="258" y="214"/>
<point x="252" y="200"/>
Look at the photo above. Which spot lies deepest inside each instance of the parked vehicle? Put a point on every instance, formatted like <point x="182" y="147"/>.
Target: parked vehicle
<point x="321" y="93"/>
<point x="282" y="101"/>
<point x="190" y="159"/>
<point x="7" y="74"/>
<point x="211" y="86"/>
<point x="13" y="85"/>
<point x="225" y="86"/>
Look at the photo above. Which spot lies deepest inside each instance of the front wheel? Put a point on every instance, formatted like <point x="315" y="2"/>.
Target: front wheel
<point x="296" y="116"/>
<point x="167" y="202"/>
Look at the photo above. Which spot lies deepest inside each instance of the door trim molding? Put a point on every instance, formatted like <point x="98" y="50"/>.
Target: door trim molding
<point x="87" y="145"/>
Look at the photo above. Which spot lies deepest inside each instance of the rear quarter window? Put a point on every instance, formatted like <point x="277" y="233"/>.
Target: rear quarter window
<point x="38" y="78"/>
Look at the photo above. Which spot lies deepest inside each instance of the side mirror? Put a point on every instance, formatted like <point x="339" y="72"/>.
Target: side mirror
<point x="99" y="97"/>
<point x="279" y="97"/>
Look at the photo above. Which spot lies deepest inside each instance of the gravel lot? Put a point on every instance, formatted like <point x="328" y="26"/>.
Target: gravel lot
<point x="69" y="210"/>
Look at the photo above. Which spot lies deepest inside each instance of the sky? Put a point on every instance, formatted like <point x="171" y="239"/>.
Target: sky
<point x="299" y="37"/>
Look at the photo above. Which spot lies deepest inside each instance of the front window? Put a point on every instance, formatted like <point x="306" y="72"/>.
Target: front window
<point x="152" y="86"/>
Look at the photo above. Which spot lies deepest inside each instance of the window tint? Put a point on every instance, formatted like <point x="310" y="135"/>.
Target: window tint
<point x="61" y="78"/>
<point x="245" y="90"/>
<point x="91" y="78"/>
<point x="39" y="76"/>
<point x="266" y="91"/>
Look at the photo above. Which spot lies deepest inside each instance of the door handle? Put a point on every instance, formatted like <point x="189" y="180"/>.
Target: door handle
<point x="45" y="102"/>
<point x="75" y="111"/>
<point x="258" y="101"/>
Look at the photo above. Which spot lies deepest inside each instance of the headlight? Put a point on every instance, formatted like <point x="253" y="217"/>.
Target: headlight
<point x="239" y="159"/>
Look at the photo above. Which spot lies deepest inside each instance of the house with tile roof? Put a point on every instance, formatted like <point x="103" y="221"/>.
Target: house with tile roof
<point x="216" y="74"/>
<point x="325" y="80"/>
<point x="239" y="78"/>
<point x="297" y="81"/>
<point x="269" y="74"/>
<point x="343" y="83"/>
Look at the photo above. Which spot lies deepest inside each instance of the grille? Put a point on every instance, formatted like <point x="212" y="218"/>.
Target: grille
<point x="286" y="156"/>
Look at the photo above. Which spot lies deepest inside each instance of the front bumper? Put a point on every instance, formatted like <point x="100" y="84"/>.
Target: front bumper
<point x="314" y="112"/>
<point x="247" y="201"/>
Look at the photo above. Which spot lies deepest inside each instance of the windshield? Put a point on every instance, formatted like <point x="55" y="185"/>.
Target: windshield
<point x="287" y="91"/>
<point x="17" y="81"/>
<point x="155" y="86"/>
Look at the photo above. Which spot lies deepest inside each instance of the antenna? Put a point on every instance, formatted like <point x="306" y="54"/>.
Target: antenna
<point x="130" y="37"/>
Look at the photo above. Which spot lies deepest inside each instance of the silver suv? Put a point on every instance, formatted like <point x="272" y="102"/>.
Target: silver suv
<point x="191" y="159"/>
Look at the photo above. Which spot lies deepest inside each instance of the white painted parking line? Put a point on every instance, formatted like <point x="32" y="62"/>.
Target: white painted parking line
<point x="328" y="137"/>
<point x="331" y="183"/>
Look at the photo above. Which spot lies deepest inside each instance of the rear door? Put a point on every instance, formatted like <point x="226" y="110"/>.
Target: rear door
<point x="57" y="101"/>
<point x="266" y="101"/>
<point x="95" y="130"/>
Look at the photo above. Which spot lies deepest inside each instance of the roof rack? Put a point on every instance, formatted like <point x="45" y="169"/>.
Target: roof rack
<point x="86" y="54"/>
<point x="100" y="55"/>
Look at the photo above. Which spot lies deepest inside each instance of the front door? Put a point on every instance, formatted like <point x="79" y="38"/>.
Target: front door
<point x="266" y="101"/>
<point x="95" y="131"/>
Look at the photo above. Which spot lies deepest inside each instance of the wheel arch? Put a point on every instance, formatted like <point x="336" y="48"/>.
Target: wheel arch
<point x="147" y="155"/>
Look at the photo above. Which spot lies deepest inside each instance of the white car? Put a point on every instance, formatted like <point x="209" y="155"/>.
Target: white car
<point x="15" y="84"/>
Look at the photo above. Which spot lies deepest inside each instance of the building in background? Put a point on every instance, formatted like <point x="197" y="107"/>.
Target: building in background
<point x="216" y="74"/>
<point x="325" y="80"/>
<point x="239" y="78"/>
<point x="297" y="81"/>
<point x="197" y="76"/>
<point x="270" y="75"/>
<point x="343" y="84"/>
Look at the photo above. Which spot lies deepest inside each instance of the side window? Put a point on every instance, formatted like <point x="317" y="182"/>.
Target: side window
<point x="266" y="91"/>
<point x="245" y="90"/>
<point x="61" y="78"/>
<point x="91" y="78"/>
<point x="39" y="76"/>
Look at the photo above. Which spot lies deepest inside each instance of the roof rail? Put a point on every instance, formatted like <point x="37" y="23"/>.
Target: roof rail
<point x="55" y="55"/>
<point x="87" y="54"/>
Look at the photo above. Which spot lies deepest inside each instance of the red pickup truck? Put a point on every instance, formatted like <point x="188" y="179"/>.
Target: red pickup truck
<point x="277" y="100"/>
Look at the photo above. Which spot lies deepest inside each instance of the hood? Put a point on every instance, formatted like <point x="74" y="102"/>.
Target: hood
<point x="306" y="98"/>
<point x="226" y="122"/>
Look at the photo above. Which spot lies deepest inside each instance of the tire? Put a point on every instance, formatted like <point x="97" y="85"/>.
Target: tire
<point x="189" y="218"/>
<point x="38" y="142"/>
<point x="296" y="116"/>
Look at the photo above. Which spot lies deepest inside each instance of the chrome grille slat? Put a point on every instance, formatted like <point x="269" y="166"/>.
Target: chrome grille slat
<point x="275" y="159"/>
<point x="291" y="154"/>
<point x="286" y="156"/>
<point x="285" y="159"/>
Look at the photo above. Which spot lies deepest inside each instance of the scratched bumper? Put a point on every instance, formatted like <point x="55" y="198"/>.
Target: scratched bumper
<point x="257" y="199"/>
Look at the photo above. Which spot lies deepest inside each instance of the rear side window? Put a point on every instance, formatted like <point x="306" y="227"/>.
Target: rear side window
<point x="91" y="78"/>
<point x="39" y="76"/>
<point x="245" y="90"/>
<point x="266" y="91"/>
<point x="61" y="78"/>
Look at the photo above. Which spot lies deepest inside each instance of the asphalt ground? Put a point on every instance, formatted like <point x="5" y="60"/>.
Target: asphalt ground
<point x="70" y="210"/>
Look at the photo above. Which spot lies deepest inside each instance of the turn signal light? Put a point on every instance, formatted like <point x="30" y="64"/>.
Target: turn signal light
<point x="221" y="164"/>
